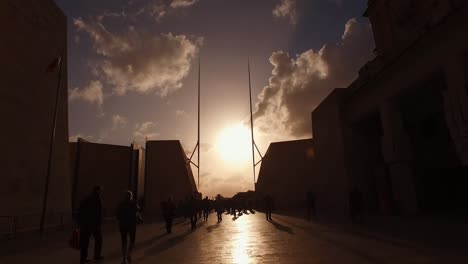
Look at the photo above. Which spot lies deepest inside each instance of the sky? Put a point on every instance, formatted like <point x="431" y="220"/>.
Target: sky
<point x="133" y="73"/>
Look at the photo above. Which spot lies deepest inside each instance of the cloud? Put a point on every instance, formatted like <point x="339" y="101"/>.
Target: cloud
<point x="91" y="93"/>
<point x="74" y="138"/>
<point x="141" y="62"/>
<point x="90" y="138"/>
<point x="118" y="121"/>
<point x="181" y="113"/>
<point x="156" y="9"/>
<point x="286" y="9"/>
<point x="299" y="84"/>
<point x="145" y="131"/>
<point x="182" y="3"/>
<point x="206" y="147"/>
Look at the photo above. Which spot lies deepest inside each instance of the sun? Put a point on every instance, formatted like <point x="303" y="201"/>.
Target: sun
<point x="234" y="144"/>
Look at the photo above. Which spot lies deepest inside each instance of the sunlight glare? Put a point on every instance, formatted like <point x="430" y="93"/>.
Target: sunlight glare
<point x="234" y="144"/>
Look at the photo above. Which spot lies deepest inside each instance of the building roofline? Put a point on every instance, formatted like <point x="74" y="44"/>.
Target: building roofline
<point x="290" y="141"/>
<point x="369" y="5"/>
<point x="167" y="141"/>
<point x="103" y="144"/>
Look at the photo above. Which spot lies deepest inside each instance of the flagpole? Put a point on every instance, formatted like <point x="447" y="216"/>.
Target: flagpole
<point x="51" y="148"/>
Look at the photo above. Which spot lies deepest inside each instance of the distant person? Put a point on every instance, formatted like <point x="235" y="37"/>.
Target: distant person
<point x="126" y="214"/>
<point x="185" y="208"/>
<point x="199" y="207"/>
<point x="310" y="205"/>
<point x="219" y="209"/>
<point x="206" y="208"/>
<point x="168" y="213"/>
<point x="90" y="222"/>
<point x="233" y="208"/>
<point x="355" y="205"/>
<point x="268" y="207"/>
<point x="193" y="210"/>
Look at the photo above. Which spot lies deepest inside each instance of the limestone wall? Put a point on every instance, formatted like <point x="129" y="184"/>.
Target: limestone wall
<point x="34" y="33"/>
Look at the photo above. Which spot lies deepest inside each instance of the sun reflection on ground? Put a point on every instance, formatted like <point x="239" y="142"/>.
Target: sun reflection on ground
<point x="242" y="243"/>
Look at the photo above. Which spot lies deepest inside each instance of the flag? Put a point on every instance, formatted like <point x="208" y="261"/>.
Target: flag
<point x="54" y="64"/>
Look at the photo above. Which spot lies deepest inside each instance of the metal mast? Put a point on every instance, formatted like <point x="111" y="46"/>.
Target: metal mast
<point x="197" y="146"/>
<point x="198" y="139"/>
<point x="254" y="146"/>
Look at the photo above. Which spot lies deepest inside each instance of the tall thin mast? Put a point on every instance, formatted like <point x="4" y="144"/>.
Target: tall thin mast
<point x="198" y="140"/>
<point x="197" y="146"/>
<point x="254" y="145"/>
<point x="251" y="122"/>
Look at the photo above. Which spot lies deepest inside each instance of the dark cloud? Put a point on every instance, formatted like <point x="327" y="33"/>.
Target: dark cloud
<point x="298" y="85"/>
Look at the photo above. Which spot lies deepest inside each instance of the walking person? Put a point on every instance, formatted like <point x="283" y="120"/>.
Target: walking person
<point x="355" y="205"/>
<point x="193" y="210"/>
<point x="126" y="214"/>
<point x="90" y="222"/>
<point x="206" y="208"/>
<point x="219" y="209"/>
<point x="310" y="205"/>
<point x="268" y="207"/>
<point x="168" y="213"/>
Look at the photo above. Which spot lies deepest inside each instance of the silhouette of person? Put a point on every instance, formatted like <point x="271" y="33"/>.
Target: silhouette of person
<point x="90" y="221"/>
<point x="199" y="207"/>
<point x="268" y="207"/>
<point x="310" y="205"/>
<point x="233" y="207"/>
<point x="193" y="208"/>
<point x="168" y="214"/>
<point x="355" y="204"/>
<point x="219" y="209"/>
<point x="206" y="208"/>
<point x="126" y="214"/>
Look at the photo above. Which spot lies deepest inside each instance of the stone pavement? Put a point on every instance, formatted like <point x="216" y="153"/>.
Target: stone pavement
<point x="246" y="239"/>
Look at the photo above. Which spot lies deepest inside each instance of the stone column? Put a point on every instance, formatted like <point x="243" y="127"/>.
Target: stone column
<point x="397" y="153"/>
<point x="456" y="105"/>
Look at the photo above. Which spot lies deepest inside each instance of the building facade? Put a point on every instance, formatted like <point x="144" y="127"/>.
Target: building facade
<point x="399" y="133"/>
<point x="168" y="175"/>
<point x="285" y="173"/>
<point x="114" y="168"/>
<point x="34" y="38"/>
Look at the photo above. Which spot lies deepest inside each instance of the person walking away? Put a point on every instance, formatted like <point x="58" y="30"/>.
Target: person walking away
<point x="90" y="222"/>
<point x="268" y="207"/>
<point x="168" y="214"/>
<point x="126" y="214"/>
<point x="219" y="209"/>
<point x="355" y="205"/>
<point x="199" y="207"/>
<point x="310" y="205"/>
<point x="193" y="212"/>
<point x="206" y="208"/>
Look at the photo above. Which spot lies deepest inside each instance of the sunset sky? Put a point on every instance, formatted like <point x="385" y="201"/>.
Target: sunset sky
<point x="133" y="67"/>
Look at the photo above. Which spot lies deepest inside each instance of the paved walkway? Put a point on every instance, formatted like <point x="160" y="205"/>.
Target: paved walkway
<point x="246" y="239"/>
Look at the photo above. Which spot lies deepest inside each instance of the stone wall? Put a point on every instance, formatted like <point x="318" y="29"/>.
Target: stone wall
<point x="34" y="35"/>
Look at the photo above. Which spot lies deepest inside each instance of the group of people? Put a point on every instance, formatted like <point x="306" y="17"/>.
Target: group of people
<point x="89" y="218"/>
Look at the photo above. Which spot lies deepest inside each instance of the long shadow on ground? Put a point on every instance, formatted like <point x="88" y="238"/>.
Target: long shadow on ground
<point x="212" y="227"/>
<point x="281" y="227"/>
